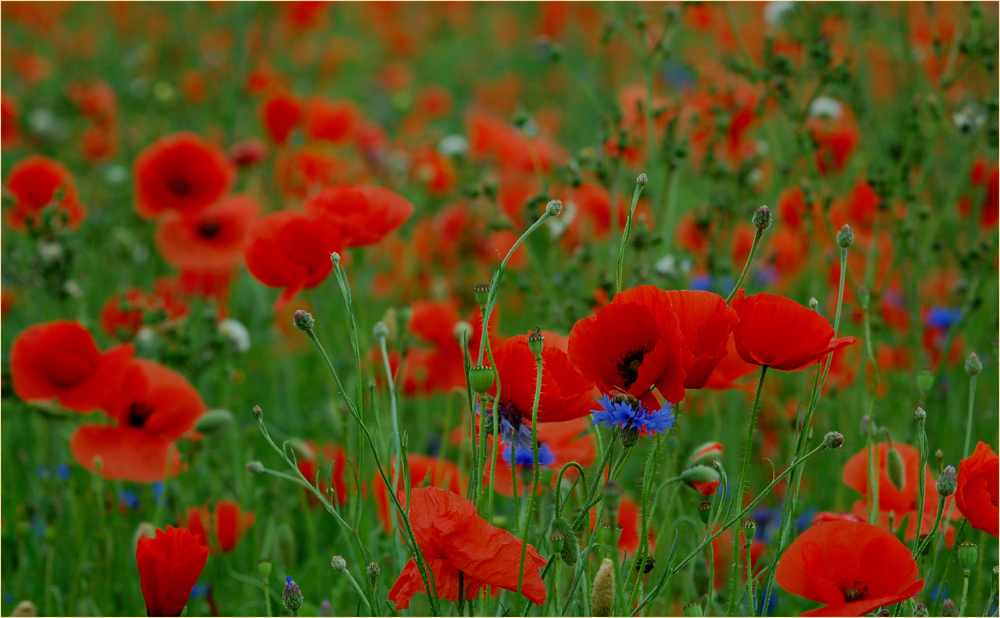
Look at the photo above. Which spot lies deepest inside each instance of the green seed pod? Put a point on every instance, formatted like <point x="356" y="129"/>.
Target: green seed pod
<point x="611" y="494"/>
<point x="749" y="530"/>
<point x="705" y="512"/>
<point x="602" y="600"/>
<point x="264" y="568"/>
<point x="968" y="555"/>
<point x="692" y="609"/>
<point x="536" y="342"/>
<point x="481" y="379"/>
<point x="482" y="291"/>
<point x="925" y="380"/>
<point x="896" y="469"/>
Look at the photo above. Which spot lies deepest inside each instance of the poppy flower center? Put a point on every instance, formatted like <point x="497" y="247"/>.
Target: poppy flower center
<point x="179" y="186"/>
<point x="138" y="413"/>
<point x="853" y="591"/>
<point x="209" y="229"/>
<point x="628" y="366"/>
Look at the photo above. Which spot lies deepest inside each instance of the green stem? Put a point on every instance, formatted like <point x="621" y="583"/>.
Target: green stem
<point x="625" y="234"/>
<point x="534" y="486"/>
<point x="746" y="267"/>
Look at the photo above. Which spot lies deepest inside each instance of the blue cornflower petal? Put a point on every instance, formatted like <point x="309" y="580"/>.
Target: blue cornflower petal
<point x="623" y="414"/>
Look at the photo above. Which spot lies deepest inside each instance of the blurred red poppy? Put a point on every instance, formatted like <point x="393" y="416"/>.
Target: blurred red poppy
<point x="852" y="568"/>
<point x="229" y="523"/>
<point x="153" y="407"/>
<point x="363" y="215"/>
<point x="454" y="538"/>
<point x="180" y="172"/>
<point x="780" y="333"/>
<point x="280" y="113"/>
<point x="291" y="250"/>
<point x="330" y="121"/>
<point x="631" y="345"/>
<point x="330" y="458"/>
<point x="210" y="239"/>
<point x="59" y="360"/>
<point x="10" y="130"/>
<point x="34" y="182"/>
<point x="123" y="314"/>
<point x="977" y="492"/>
<point x="169" y="567"/>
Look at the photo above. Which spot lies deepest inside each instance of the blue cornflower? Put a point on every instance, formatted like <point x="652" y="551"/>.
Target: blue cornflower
<point x="200" y="591"/>
<point x="62" y="471"/>
<point x="128" y="498"/>
<point x="634" y="416"/>
<point x="941" y="317"/>
<point x="512" y="429"/>
<point x="526" y="457"/>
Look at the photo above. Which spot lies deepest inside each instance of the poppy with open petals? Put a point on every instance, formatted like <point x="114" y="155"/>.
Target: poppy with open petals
<point x="153" y="407"/>
<point x="211" y="239"/>
<point x="34" y="181"/>
<point x="454" y="538"/>
<point x="180" y="172"/>
<point x="779" y="333"/>
<point x="424" y="470"/>
<point x="363" y="214"/>
<point x="169" y="567"/>
<point x="59" y="360"/>
<point x="705" y="321"/>
<point x="290" y="250"/>
<point x="631" y="345"/>
<point x="976" y="495"/>
<point x="851" y="567"/>
<point x="228" y="524"/>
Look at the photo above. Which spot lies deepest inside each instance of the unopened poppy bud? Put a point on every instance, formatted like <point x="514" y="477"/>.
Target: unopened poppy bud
<point x="602" y="599"/>
<point x="145" y="530"/>
<point x="213" y="420"/>
<point x="749" y="530"/>
<point x="920" y="611"/>
<point x="258" y="414"/>
<point x="692" y="609"/>
<point x="948" y="608"/>
<point x="833" y="439"/>
<point x="762" y="218"/>
<point x="968" y="555"/>
<point x="920" y="414"/>
<point x="482" y="291"/>
<point x="947" y="482"/>
<point x="571" y="546"/>
<point x="292" y="596"/>
<point x="255" y="467"/>
<point x="611" y="493"/>
<point x="925" y="380"/>
<point x="973" y="365"/>
<point x="556" y="540"/>
<point x="481" y="379"/>
<point x="373" y="570"/>
<point x="642" y="180"/>
<point x="705" y="512"/>
<point x="706" y="452"/>
<point x="264" y="568"/>
<point x="895" y="468"/>
<point x="699" y="474"/>
<point x="845" y="237"/>
<point x="536" y="341"/>
<point x="338" y="564"/>
<point x="553" y="208"/>
<point x="463" y="330"/>
<point x="303" y="320"/>
<point x="813" y="304"/>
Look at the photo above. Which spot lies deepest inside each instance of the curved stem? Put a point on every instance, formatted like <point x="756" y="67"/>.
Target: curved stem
<point x="534" y="485"/>
<point x="746" y="267"/>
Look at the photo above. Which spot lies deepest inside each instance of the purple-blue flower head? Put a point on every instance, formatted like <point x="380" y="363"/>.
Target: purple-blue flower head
<point x="526" y="456"/>
<point x="627" y="415"/>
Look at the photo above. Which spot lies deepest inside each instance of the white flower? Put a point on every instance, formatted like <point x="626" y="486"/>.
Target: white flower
<point x="49" y="251"/>
<point x="236" y="333"/>
<point x="453" y="145"/>
<point x="826" y="106"/>
<point x="775" y="11"/>
<point x="558" y="225"/>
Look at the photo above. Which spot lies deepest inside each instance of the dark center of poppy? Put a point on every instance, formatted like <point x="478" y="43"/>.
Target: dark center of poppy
<point x="209" y="229"/>
<point x="853" y="590"/>
<point x="138" y="413"/>
<point x="628" y="366"/>
<point x="179" y="186"/>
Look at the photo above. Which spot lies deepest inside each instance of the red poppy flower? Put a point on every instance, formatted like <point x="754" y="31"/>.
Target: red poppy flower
<point x="424" y="471"/>
<point x="59" y="360"/>
<point x="153" y="407"/>
<point x="706" y="322"/>
<point x="976" y="495"/>
<point x="334" y="459"/>
<point x="122" y="315"/>
<point x="730" y="369"/>
<point x="34" y="181"/>
<point x="331" y="121"/>
<point x="10" y="131"/>
<point x="169" y="567"/>
<point x="229" y="523"/>
<point x="247" y="153"/>
<point x="180" y="172"/>
<point x="631" y="345"/>
<point x="566" y="395"/>
<point x="291" y="250"/>
<point x="851" y="567"/>
<point x="780" y="333"/>
<point x="363" y="215"/>
<point x="210" y="239"/>
<point x="453" y="538"/>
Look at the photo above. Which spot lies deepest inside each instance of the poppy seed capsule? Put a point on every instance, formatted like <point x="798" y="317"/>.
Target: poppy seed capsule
<point x="705" y="512"/>
<point x="947" y="482"/>
<point x="692" y="609"/>
<point x="536" y="341"/>
<point x="481" y="379"/>
<point x="602" y="599"/>
<point x="968" y="555"/>
<point x="833" y="439"/>
<point x="482" y="292"/>
<point x="749" y="530"/>
<point x="611" y="493"/>
<point x="895" y="468"/>
<point x="845" y="237"/>
<point x="264" y="568"/>
<point x="973" y="365"/>
<point x="338" y="564"/>
<point x="762" y="218"/>
<point x="303" y="320"/>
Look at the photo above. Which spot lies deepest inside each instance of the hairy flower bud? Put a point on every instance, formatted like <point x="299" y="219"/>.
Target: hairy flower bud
<point x="833" y="439"/>
<point x="291" y="596"/>
<point x="762" y="218"/>
<point x="303" y="320"/>
<point x="973" y="365"/>
<point x="338" y="564"/>
<point x="602" y="599"/>
<point x="920" y="414"/>
<point x="373" y="570"/>
<point x="642" y="180"/>
<point x="553" y="208"/>
<point x="896" y="469"/>
<point x="947" y="482"/>
<point x="845" y="237"/>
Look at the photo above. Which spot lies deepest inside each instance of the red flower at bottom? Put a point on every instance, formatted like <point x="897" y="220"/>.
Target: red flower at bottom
<point x="851" y="567"/>
<point x="454" y="538"/>
<point x="169" y="567"/>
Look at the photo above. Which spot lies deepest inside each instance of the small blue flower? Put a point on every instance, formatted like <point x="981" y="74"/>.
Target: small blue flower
<point x="623" y="414"/>
<point x="766" y="275"/>
<point x="62" y="471"/>
<point x="157" y="488"/>
<point x="941" y="317"/>
<point x="700" y="282"/>
<point x="526" y="456"/>
<point x="128" y="498"/>
<point x="512" y="429"/>
<point x="200" y="591"/>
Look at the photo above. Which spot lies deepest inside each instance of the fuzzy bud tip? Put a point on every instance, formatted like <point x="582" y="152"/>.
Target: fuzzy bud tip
<point x="762" y="218"/>
<point x="947" y="483"/>
<point x="303" y="320"/>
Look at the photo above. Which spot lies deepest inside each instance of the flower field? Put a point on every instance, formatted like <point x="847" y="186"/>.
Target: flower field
<point x="500" y="309"/>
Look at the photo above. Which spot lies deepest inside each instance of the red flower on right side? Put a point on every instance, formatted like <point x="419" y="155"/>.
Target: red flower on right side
<point x="977" y="491"/>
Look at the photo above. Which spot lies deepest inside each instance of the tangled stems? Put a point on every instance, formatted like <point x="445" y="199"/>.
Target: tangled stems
<point x="640" y="182"/>
<point x="742" y="482"/>
<point x="534" y="484"/>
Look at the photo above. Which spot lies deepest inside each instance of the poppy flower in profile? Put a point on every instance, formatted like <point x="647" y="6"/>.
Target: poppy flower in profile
<point x="169" y="567"/>
<point x="59" y="360"/>
<point x="364" y="214"/>
<point x="454" y="538"/>
<point x="34" y="182"/>
<point x="566" y="395"/>
<point x="153" y="407"/>
<point x="977" y="492"/>
<point x="210" y="239"/>
<point x="280" y="113"/>
<point x="180" y="172"/>
<point x="705" y="321"/>
<point x="228" y="524"/>
<point x="780" y="333"/>
<point x="424" y="471"/>
<point x="851" y="567"/>
<point x="631" y="345"/>
<point x="291" y="250"/>
<point x="330" y="458"/>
